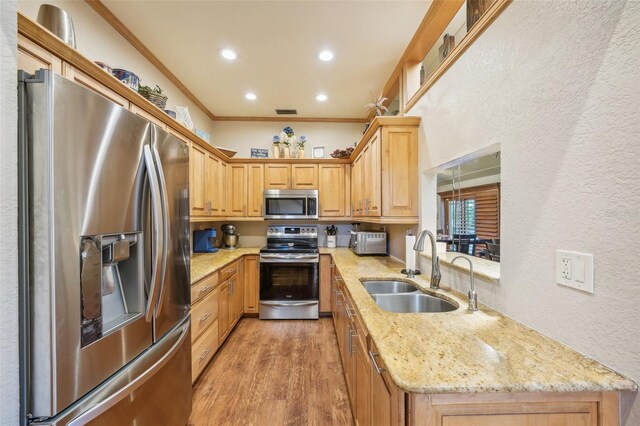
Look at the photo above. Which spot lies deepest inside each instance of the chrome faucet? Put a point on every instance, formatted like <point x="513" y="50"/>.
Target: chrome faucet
<point x="473" y="297"/>
<point x="435" y="260"/>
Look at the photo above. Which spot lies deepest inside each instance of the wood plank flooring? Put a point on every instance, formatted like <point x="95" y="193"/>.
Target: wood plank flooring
<point x="274" y="373"/>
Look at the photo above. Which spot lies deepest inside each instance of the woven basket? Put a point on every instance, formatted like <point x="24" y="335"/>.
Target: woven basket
<point x="158" y="100"/>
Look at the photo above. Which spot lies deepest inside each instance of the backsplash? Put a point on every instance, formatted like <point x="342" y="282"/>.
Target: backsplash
<point x="254" y="234"/>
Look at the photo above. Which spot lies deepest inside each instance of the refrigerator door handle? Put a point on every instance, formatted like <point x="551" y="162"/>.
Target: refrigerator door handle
<point x="158" y="233"/>
<point x="165" y="226"/>
<point x="126" y="390"/>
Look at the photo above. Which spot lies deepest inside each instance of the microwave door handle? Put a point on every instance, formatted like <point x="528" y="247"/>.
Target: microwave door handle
<point x="156" y="231"/>
<point x="165" y="226"/>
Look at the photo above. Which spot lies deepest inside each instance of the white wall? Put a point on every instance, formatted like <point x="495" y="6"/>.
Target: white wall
<point x="242" y="135"/>
<point x="98" y="41"/>
<point x="556" y="85"/>
<point x="9" y="396"/>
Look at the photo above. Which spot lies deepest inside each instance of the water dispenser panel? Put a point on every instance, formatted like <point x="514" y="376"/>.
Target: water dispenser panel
<point x="91" y="290"/>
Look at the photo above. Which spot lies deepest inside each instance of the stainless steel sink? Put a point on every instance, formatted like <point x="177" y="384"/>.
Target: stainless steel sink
<point x="388" y="287"/>
<point x="413" y="303"/>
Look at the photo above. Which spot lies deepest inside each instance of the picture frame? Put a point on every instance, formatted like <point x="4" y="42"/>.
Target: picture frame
<point x="259" y="153"/>
<point x="318" y="152"/>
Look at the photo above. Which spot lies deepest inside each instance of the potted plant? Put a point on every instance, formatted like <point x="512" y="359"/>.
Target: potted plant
<point x="276" y="146"/>
<point x="155" y="95"/>
<point x="377" y="105"/>
<point x="301" y="142"/>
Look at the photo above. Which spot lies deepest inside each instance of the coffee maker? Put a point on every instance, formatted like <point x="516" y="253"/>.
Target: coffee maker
<point x="229" y="236"/>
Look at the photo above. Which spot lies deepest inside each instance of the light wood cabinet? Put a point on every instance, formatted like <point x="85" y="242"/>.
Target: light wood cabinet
<point x="198" y="180"/>
<point x="255" y="190"/>
<point x="387" y="401"/>
<point x="152" y="118"/>
<point x="213" y="202"/>
<point x="32" y="57"/>
<point x="384" y="176"/>
<point x="332" y="190"/>
<point x="291" y="176"/>
<point x="326" y="273"/>
<point x="223" y="188"/>
<point x="251" y="284"/>
<point x="203" y="349"/>
<point x="400" y="171"/>
<point x="362" y="375"/>
<point x="223" y="312"/>
<point x="203" y="314"/>
<point x="92" y="84"/>
<point x="237" y="194"/>
<point x="277" y="176"/>
<point x="304" y="176"/>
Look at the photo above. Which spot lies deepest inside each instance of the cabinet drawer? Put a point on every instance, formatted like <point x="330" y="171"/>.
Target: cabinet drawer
<point x="203" y="314"/>
<point x="203" y="287"/>
<point x="203" y="350"/>
<point x="228" y="271"/>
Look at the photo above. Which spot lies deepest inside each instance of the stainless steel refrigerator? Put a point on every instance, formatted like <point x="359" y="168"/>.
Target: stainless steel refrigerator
<point x="104" y="223"/>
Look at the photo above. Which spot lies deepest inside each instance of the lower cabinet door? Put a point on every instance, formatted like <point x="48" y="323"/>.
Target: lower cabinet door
<point x="223" y="311"/>
<point x="203" y="349"/>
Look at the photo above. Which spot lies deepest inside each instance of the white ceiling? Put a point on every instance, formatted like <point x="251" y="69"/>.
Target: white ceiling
<point x="277" y="44"/>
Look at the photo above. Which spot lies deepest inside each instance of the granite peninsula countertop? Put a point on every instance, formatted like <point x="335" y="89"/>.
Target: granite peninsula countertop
<point x="465" y="352"/>
<point x="452" y="352"/>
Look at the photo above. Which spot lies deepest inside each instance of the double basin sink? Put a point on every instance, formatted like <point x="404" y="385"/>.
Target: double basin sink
<point x="404" y="297"/>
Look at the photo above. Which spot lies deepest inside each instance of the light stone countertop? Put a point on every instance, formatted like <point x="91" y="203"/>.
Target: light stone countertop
<point x="453" y="352"/>
<point x="203" y="264"/>
<point x="466" y="352"/>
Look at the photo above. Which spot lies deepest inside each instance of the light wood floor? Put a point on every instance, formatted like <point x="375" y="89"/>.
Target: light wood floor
<point x="274" y="373"/>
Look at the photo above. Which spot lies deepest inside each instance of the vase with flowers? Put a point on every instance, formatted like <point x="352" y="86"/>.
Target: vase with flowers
<point x="301" y="142"/>
<point x="287" y="138"/>
<point x="276" y="146"/>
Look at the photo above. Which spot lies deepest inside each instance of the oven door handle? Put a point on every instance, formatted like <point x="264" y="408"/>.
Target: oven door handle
<point x="287" y="304"/>
<point x="274" y="258"/>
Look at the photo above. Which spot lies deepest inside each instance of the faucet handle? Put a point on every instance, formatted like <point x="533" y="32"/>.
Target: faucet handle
<point x="410" y="273"/>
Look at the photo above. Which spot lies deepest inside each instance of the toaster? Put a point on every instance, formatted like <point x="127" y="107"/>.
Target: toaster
<point x="368" y="242"/>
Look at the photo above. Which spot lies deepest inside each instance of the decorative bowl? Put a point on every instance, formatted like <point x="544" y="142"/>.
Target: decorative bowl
<point x="127" y="78"/>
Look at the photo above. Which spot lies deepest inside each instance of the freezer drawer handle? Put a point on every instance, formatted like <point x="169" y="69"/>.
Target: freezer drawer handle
<point x="121" y="394"/>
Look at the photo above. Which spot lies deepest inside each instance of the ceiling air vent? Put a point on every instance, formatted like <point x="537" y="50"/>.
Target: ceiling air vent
<point x="286" y="111"/>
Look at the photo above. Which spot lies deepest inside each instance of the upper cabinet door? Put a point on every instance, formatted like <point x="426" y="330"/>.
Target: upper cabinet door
<point x="304" y="176"/>
<point x="212" y="176"/>
<point x="277" y="176"/>
<point x="332" y="189"/>
<point x="197" y="180"/>
<point x="400" y="171"/>
<point x="237" y="195"/>
<point x="32" y="57"/>
<point x="372" y="174"/>
<point x="255" y="190"/>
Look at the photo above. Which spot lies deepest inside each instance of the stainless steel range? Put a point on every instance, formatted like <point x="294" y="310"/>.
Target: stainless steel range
<point x="289" y="273"/>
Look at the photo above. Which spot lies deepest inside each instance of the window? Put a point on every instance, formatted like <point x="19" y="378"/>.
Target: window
<point x="462" y="216"/>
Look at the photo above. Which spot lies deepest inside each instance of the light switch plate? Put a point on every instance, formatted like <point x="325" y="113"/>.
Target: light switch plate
<point x="575" y="270"/>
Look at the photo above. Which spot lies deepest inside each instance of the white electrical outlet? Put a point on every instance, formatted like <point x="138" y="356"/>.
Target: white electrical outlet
<point x="574" y="269"/>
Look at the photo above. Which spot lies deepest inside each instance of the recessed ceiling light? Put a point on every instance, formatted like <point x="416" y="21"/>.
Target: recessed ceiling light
<point x="325" y="55"/>
<point x="321" y="98"/>
<point x="251" y="96"/>
<point x="228" y="54"/>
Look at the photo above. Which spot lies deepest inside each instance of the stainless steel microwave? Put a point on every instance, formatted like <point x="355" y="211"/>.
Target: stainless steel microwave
<point x="290" y="203"/>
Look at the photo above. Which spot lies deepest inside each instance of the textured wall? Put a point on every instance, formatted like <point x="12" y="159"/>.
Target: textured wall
<point x="98" y="41"/>
<point x="9" y="397"/>
<point x="242" y="136"/>
<point x="556" y="84"/>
